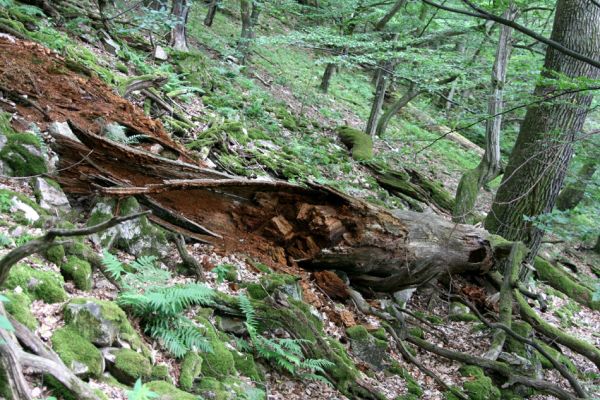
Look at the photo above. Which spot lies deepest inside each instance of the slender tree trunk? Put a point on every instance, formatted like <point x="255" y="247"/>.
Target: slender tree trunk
<point x="395" y="109"/>
<point x="326" y="79"/>
<point x="383" y="76"/>
<point x="210" y="14"/>
<point x="250" y="11"/>
<point x="490" y="166"/>
<point x="536" y="169"/>
<point x="180" y="10"/>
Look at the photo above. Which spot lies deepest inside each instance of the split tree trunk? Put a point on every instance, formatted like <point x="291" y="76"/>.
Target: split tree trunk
<point x="180" y="11"/>
<point x="381" y="84"/>
<point x="395" y="109"/>
<point x="490" y="165"/>
<point x="544" y="147"/>
<point x="250" y="11"/>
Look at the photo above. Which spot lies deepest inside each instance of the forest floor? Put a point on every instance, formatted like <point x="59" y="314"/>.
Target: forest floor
<point x="56" y="93"/>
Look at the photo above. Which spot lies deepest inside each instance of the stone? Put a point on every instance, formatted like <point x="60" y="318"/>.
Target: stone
<point x="460" y="312"/>
<point x="30" y="214"/>
<point x="160" y="54"/>
<point x="62" y="129"/>
<point x="50" y="196"/>
<point x="127" y="366"/>
<point x="231" y="325"/>
<point x="77" y="353"/>
<point x="367" y="348"/>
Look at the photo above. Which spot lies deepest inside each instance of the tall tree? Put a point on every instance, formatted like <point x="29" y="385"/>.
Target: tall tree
<point x="544" y="146"/>
<point x="490" y="165"/>
<point x="210" y="13"/>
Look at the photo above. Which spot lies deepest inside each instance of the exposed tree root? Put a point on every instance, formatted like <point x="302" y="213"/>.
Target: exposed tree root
<point x="555" y="334"/>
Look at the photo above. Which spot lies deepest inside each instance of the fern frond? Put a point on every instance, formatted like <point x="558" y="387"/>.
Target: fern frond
<point x="144" y="263"/>
<point x="248" y="310"/>
<point x="113" y="266"/>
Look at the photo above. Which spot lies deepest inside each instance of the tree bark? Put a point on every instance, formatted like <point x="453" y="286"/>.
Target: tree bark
<point x="544" y="146"/>
<point x="395" y="109"/>
<point x="180" y="10"/>
<point x="211" y="12"/>
<point x="573" y="193"/>
<point x="249" y="11"/>
<point x="381" y="84"/>
<point x="327" y="75"/>
<point x="490" y="165"/>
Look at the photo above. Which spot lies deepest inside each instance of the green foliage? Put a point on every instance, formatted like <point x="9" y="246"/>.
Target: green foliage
<point x="4" y="322"/>
<point x="160" y="305"/>
<point x="5" y="241"/>
<point x="285" y="353"/>
<point x="141" y="391"/>
<point x="18" y="305"/>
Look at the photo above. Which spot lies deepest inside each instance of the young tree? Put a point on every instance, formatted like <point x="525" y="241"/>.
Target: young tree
<point x="180" y="11"/>
<point x="210" y="13"/>
<point x="544" y="146"/>
<point x="490" y="165"/>
<point x="250" y="11"/>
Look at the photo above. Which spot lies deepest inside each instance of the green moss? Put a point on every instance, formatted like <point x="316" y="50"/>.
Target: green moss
<point x="557" y="355"/>
<point x="79" y="271"/>
<point x="132" y="364"/>
<point x="55" y="254"/>
<point x="358" y="142"/>
<point x="73" y="348"/>
<point x="559" y="280"/>
<point x="218" y="363"/>
<point x="481" y="387"/>
<point x="40" y="285"/>
<point x="413" y="387"/>
<point x="160" y="373"/>
<point x="15" y="154"/>
<point x="18" y="305"/>
<point x="191" y="367"/>
<point x="108" y="316"/>
<point x="213" y="389"/>
<point x="357" y="332"/>
<point x="271" y="282"/>
<point x="245" y="365"/>
<point x="168" y="391"/>
<point x="380" y="334"/>
<point x="5" y="391"/>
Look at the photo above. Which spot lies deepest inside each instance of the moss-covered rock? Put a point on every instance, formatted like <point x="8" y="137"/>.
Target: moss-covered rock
<point x="102" y="322"/>
<point x="18" y="305"/>
<point x="218" y="363"/>
<point x="40" y="285"/>
<point x="480" y="387"/>
<point x="160" y="372"/>
<point x="127" y="366"/>
<point x="414" y="389"/>
<point x="138" y="237"/>
<point x="79" y="271"/>
<point x="366" y="347"/>
<point x="460" y="312"/>
<point x="55" y="254"/>
<point x="167" y="391"/>
<point x="359" y="143"/>
<point x="245" y="365"/>
<point x="77" y="353"/>
<point x="20" y="153"/>
<point x="271" y="282"/>
<point x="191" y="367"/>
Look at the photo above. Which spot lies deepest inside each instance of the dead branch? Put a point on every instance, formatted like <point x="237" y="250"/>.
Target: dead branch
<point x="188" y="260"/>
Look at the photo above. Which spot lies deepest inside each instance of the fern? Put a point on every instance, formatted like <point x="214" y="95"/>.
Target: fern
<point x="112" y="264"/>
<point x="287" y="354"/>
<point x="140" y="392"/>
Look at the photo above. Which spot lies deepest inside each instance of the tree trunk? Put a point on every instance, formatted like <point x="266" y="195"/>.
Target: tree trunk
<point x="490" y="165"/>
<point x="250" y="11"/>
<point x="180" y="11"/>
<point x="395" y="109"/>
<point x="326" y="79"/>
<point x="573" y="193"/>
<point x="210" y="14"/>
<point x="383" y="76"/>
<point x="542" y="152"/>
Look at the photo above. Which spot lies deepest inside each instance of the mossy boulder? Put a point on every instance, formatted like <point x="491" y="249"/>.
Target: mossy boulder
<point x="219" y="362"/>
<point x="79" y="271"/>
<point x="20" y="153"/>
<point x="138" y="237"/>
<point x="49" y="195"/>
<point x="55" y="254"/>
<point x="81" y="356"/>
<point x="127" y="366"/>
<point x="245" y="365"/>
<point x="268" y="284"/>
<point x="359" y="143"/>
<point x="38" y="284"/>
<point x="102" y="322"/>
<point x="460" y="312"/>
<point x="480" y="386"/>
<point x="191" y="367"/>
<point x="167" y="391"/>
<point x="21" y="208"/>
<point x="367" y="347"/>
<point x="18" y="305"/>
